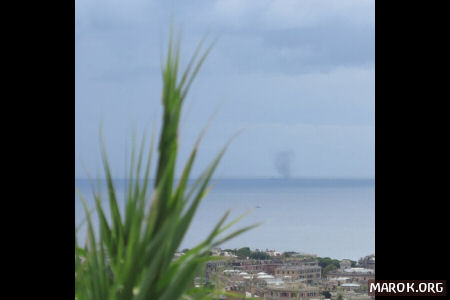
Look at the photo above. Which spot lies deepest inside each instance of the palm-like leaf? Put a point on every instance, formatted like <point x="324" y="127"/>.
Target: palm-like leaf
<point x="133" y="255"/>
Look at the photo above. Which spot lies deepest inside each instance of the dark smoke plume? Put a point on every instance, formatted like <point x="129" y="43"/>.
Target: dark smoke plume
<point x="283" y="163"/>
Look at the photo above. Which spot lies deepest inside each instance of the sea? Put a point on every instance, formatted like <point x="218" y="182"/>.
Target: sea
<point x="327" y="217"/>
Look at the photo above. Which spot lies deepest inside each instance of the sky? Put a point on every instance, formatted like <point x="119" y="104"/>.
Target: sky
<point x="296" y="76"/>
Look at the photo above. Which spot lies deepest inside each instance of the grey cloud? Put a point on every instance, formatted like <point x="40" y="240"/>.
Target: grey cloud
<point x="266" y="68"/>
<point x="301" y="50"/>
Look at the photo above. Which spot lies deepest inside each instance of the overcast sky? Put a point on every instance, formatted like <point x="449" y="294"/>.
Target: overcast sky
<point x="298" y="76"/>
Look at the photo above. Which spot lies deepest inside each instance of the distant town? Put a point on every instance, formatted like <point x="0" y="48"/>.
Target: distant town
<point x="268" y="274"/>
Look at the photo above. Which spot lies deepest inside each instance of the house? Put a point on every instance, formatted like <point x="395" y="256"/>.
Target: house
<point x="307" y="271"/>
<point x="345" y="264"/>
<point x="273" y="252"/>
<point x="368" y="262"/>
<point x="355" y="275"/>
<point x="293" y="290"/>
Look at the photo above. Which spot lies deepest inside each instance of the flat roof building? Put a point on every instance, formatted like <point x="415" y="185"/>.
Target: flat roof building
<point x="309" y="272"/>
<point x="294" y="290"/>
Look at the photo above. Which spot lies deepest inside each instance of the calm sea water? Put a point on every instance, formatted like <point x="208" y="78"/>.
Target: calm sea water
<point x="334" y="218"/>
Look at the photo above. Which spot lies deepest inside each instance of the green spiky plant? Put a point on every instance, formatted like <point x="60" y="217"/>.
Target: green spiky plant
<point x="131" y="255"/>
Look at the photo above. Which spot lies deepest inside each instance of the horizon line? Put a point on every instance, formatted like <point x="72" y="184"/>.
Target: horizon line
<point x="250" y="178"/>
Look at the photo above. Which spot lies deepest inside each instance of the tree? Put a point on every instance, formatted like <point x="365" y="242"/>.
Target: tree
<point x="326" y="294"/>
<point x="259" y="255"/>
<point x="243" y="253"/>
<point x="325" y="261"/>
<point x="327" y="269"/>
